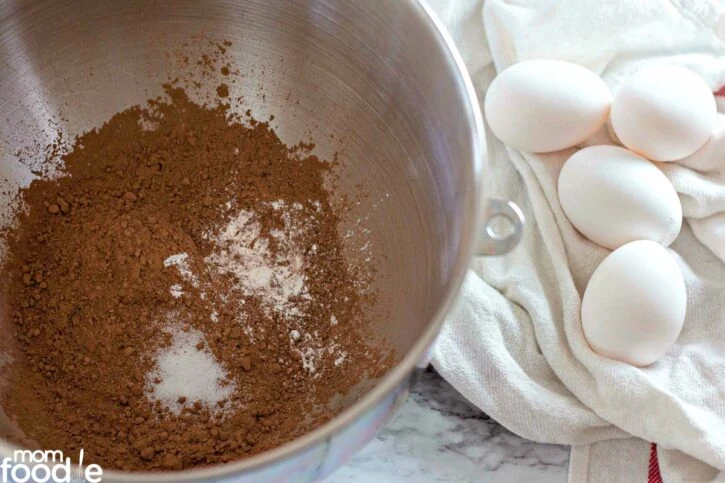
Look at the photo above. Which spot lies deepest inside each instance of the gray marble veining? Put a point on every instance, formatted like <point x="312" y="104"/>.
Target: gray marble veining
<point x="439" y="437"/>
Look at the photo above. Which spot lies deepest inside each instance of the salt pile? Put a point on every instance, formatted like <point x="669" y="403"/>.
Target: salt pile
<point x="187" y="372"/>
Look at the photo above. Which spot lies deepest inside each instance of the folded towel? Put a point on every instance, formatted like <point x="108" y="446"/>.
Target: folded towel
<point x="513" y="345"/>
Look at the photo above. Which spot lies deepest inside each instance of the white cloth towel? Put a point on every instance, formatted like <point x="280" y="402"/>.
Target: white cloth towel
<point x="514" y="345"/>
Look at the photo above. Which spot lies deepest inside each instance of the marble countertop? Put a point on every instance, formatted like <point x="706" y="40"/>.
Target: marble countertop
<point x="439" y="437"/>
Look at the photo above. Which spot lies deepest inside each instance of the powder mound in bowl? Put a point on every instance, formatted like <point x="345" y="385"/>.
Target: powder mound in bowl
<point x="179" y="294"/>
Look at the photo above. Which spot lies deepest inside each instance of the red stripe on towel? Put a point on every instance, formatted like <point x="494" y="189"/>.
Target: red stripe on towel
<point x="654" y="475"/>
<point x="720" y="92"/>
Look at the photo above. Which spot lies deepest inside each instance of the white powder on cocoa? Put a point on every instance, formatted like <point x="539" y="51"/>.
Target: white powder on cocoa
<point x="275" y="277"/>
<point x="184" y="371"/>
<point x="311" y="356"/>
<point x="176" y="290"/>
<point x="278" y="278"/>
<point x="181" y="262"/>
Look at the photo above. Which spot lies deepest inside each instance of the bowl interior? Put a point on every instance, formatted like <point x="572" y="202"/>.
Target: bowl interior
<point x="370" y="83"/>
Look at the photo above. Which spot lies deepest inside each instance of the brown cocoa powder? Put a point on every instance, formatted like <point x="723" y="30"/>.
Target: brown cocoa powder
<point x="94" y="299"/>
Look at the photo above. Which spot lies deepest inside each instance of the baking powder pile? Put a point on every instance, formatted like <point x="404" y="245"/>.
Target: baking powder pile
<point x="179" y="296"/>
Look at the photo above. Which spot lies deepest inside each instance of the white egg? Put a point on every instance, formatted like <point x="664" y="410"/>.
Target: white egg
<point x="613" y="196"/>
<point x="664" y="113"/>
<point x="635" y="303"/>
<point x="541" y="106"/>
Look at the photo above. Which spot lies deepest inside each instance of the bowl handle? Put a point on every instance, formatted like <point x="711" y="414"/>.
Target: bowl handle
<point x="502" y="228"/>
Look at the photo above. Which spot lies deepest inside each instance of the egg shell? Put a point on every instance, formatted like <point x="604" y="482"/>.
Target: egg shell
<point x="541" y="106"/>
<point x="664" y="113"/>
<point x="711" y="156"/>
<point x="613" y="196"/>
<point x="635" y="303"/>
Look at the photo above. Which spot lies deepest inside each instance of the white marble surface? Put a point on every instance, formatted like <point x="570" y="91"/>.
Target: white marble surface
<point x="439" y="437"/>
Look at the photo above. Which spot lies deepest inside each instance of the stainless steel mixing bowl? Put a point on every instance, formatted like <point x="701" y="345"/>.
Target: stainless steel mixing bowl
<point x="377" y="81"/>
